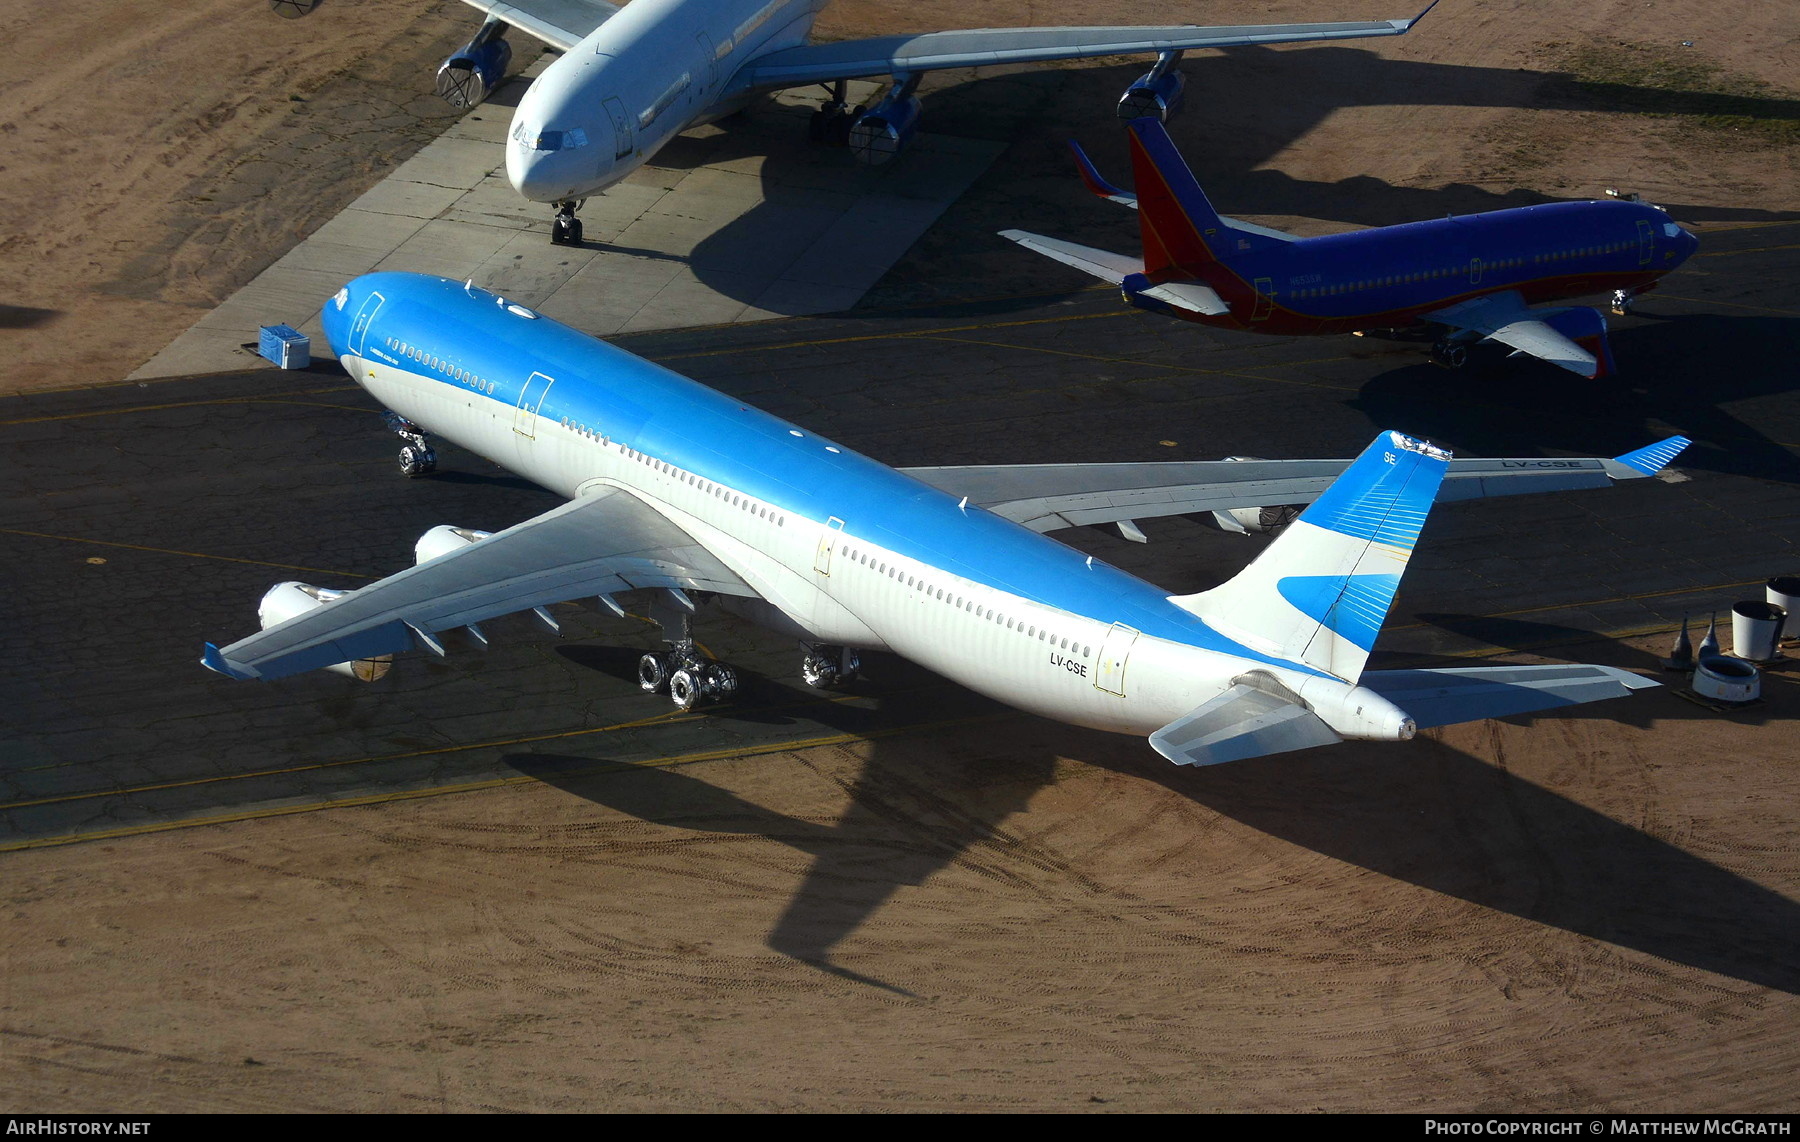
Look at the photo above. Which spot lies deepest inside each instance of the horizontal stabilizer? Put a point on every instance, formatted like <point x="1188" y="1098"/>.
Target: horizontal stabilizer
<point x="1191" y="296"/>
<point x="1242" y="722"/>
<point x="1467" y="694"/>
<point x="1103" y="264"/>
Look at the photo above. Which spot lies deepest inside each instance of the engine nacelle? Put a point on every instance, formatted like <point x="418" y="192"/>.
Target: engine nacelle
<point x="879" y="133"/>
<point x="285" y="600"/>
<point x="443" y="539"/>
<point x="1157" y="92"/>
<point x="1262" y="520"/>
<point x="1265" y="520"/>
<point x="470" y="76"/>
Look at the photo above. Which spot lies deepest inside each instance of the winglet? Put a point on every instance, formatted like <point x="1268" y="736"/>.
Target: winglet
<point x="1090" y="176"/>
<point x="215" y="661"/>
<point x="1653" y="458"/>
<point x="1405" y="26"/>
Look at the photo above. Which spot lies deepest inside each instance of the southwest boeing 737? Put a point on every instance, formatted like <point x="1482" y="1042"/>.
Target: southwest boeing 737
<point x="686" y="494"/>
<point x="631" y="78"/>
<point x="1467" y="279"/>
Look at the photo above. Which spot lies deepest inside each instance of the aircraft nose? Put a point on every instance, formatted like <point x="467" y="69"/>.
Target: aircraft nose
<point x="547" y="164"/>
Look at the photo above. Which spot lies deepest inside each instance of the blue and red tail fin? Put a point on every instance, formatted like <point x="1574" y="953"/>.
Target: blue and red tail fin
<point x="1180" y="227"/>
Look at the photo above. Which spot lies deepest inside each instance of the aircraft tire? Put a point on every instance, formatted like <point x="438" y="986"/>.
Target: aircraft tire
<point x="684" y="689"/>
<point x="653" y="673"/>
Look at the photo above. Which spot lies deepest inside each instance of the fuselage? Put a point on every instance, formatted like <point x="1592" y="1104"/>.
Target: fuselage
<point x="838" y="547"/>
<point x="1390" y="277"/>
<point x="657" y="68"/>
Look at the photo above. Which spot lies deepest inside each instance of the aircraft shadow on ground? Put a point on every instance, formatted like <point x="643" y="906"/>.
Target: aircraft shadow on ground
<point x="908" y="813"/>
<point x="1686" y="372"/>
<point x="1436" y="817"/>
<point x="1423" y="813"/>
<point x="26" y="317"/>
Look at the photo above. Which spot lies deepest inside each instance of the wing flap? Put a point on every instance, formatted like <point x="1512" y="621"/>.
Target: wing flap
<point x="1241" y="723"/>
<point x="559" y="23"/>
<point x="892" y="55"/>
<point x="607" y="542"/>
<point x="1466" y="694"/>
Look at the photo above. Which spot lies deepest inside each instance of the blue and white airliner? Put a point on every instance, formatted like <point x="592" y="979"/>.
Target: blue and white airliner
<point x="1468" y="279"/>
<point x="685" y="493"/>
<point x="632" y="77"/>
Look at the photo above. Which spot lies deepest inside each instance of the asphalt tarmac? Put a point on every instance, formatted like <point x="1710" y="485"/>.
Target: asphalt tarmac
<point x="144" y="519"/>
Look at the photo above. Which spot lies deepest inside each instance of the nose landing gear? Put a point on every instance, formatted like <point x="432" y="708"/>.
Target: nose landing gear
<point x="826" y="667"/>
<point x="416" y="455"/>
<point x="565" y="230"/>
<point x="1622" y="300"/>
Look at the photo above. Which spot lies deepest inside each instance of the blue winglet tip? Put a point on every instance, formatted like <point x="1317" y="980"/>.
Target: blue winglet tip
<point x="1090" y="174"/>
<point x="1653" y="458"/>
<point x="215" y="662"/>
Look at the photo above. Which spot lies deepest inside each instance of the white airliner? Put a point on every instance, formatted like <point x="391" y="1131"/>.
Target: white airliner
<point x="685" y="493"/>
<point x="633" y="77"/>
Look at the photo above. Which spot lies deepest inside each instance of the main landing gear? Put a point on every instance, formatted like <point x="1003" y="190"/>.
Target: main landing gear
<point x="686" y="676"/>
<point x="681" y="671"/>
<point x="565" y="230"/>
<point x="1622" y="300"/>
<point x="1450" y="354"/>
<point x="826" y="667"/>
<point x="831" y="123"/>
<point x="416" y="456"/>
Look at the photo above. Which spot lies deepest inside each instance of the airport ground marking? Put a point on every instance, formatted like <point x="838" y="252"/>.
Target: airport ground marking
<point x="668" y="717"/>
<point x="669" y="762"/>
<point x="195" y="404"/>
<point x="1733" y="305"/>
<point x="185" y="554"/>
<point x="893" y="335"/>
<point x="1186" y="369"/>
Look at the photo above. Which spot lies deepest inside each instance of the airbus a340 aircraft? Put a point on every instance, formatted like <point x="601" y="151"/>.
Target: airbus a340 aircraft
<point x="633" y="77"/>
<point x="681" y="491"/>
<point x="1469" y="279"/>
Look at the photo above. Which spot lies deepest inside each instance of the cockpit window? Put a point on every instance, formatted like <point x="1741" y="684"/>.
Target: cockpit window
<point x="551" y="140"/>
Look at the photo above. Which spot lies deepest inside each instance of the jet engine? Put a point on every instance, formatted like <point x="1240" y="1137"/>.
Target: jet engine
<point x="880" y="132"/>
<point x="285" y="600"/>
<point x="1158" y="92"/>
<point x="1264" y="520"/>
<point x="470" y="76"/>
<point x="443" y="539"/>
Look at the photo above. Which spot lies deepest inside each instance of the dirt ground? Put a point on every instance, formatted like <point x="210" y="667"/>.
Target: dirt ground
<point x="1518" y="915"/>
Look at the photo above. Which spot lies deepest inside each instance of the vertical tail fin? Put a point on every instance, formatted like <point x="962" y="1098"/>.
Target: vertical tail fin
<point x="1319" y="593"/>
<point x="1180" y="227"/>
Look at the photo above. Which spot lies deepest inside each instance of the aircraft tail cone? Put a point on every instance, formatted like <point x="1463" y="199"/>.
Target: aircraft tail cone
<point x="1681" y="655"/>
<point x="1709" y="646"/>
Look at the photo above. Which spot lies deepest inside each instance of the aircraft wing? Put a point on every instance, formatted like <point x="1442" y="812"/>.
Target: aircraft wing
<point x="907" y="55"/>
<point x="599" y="544"/>
<point x="1049" y="497"/>
<point x="1504" y="317"/>
<point x="559" y="23"/>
